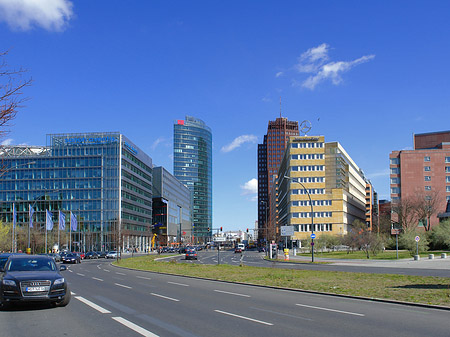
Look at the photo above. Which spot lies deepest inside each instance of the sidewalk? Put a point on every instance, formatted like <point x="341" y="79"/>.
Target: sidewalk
<point x="423" y="263"/>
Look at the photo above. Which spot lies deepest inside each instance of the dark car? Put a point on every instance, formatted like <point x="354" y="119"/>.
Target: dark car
<point x="55" y="257"/>
<point x="91" y="255"/>
<point x="102" y="255"/>
<point x="33" y="278"/>
<point x="4" y="257"/>
<point x="191" y="254"/>
<point x="71" y="258"/>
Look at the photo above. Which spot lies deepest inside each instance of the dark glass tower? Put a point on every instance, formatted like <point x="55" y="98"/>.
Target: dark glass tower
<point x="192" y="165"/>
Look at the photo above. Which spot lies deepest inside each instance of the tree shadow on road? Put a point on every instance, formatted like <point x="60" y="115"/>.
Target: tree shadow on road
<point x="424" y="286"/>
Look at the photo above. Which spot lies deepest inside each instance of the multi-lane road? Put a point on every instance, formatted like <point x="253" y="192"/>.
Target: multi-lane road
<point x="111" y="301"/>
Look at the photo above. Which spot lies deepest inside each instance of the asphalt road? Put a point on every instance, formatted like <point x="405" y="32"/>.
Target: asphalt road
<point x="110" y="301"/>
<point x="253" y="258"/>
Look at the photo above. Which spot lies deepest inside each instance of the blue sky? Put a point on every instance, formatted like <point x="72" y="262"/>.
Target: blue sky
<point x="366" y="74"/>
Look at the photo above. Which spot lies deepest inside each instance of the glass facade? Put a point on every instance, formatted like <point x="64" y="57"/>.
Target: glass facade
<point x="103" y="178"/>
<point x="192" y="166"/>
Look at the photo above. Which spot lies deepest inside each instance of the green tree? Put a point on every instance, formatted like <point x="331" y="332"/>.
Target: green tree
<point x="406" y="240"/>
<point x="5" y="237"/>
<point x="440" y="236"/>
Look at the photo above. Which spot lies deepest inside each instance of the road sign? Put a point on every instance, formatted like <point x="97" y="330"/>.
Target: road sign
<point x="313" y="236"/>
<point x="395" y="231"/>
<point x="219" y="239"/>
<point x="417" y="238"/>
<point x="287" y="230"/>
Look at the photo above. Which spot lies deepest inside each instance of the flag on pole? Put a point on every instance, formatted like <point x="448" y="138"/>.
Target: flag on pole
<point x="14" y="215"/>
<point x="73" y="221"/>
<point x="30" y="215"/>
<point x="48" y="220"/>
<point x="62" y="221"/>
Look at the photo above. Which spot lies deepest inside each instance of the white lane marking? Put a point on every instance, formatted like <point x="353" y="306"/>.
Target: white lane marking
<point x="327" y="309"/>
<point x="121" y="285"/>
<point x="134" y="327"/>
<point x="179" y="284"/>
<point x="227" y="292"/>
<point x="119" y="273"/>
<point x="70" y="271"/>
<point x="98" y="279"/>
<point x="145" y="278"/>
<point x="72" y="293"/>
<point x="98" y="266"/>
<point x="167" y="298"/>
<point x="107" y="270"/>
<point x="93" y="305"/>
<point x="81" y="274"/>
<point x="243" y="317"/>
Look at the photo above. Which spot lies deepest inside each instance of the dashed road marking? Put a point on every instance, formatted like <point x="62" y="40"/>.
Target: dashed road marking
<point x="98" y="279"/>
<point x="229" y="293"/>
<point x="333" y="310"/>
<point x="167" y="298"/>
<point x="243" y="317"/>
<point x="123" y="286"/>
<point x="134" y="327"/>
<point x="179" y="284"/>
<point x="93" y="305"/>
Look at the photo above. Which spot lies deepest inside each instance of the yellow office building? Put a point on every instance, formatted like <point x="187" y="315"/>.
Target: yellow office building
<point x="324" y="175"/>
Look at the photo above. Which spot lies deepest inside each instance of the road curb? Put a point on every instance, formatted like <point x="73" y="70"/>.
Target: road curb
<point x="373" y="299"/>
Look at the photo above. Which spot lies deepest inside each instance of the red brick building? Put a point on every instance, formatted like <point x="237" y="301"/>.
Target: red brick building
<point x="423" y="172"/>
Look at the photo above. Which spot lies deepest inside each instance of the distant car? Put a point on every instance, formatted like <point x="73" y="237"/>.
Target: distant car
<point x="71" y="258"/>
<point x="33" y="278"/>
<point x="112" y="255"/>
<point x="91" y="255"/>
<point x="55" y="257"/>
<point x="102" y="255"/>
<point x="241" y="246"/>
<point x="191" y="254"/>
<point x="261" y="249"/>
<point x="237" y="250"/>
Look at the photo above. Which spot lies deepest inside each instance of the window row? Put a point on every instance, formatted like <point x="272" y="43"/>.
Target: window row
<point x="307" y="156"/>
<point x="314" y="203"/>
<point x="309" y="179"/>
<point x="310" y="191"/>
<point x="323" y="227"/>
<point x="308" y="168"/>
<point x="308" y="215"/>
<point x="306" y="145"/>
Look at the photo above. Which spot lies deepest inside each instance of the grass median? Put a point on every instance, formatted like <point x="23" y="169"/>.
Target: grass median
<point x="386" y="255"/>
<point x="416" y="289"/>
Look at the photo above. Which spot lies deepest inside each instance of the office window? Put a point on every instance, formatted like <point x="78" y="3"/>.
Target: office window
<point x="427" y="168"/>
<point x="394" y="161"/>
<point x="447" y="169"/>
<point x="395" y="190"/>
<point x="447" y="179"/>
<point x="426" y="158"/>
<point x="427" y="188"/>
<point x="447" y="159"/>
<point x="447" y="188"/>
<point x="427" y="178"/>
<point x="395" y="181"/>
<point x="395" y="170"/>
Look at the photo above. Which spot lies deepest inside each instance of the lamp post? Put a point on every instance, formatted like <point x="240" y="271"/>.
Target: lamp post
<point x="265" y="224"/>
<point x="312" y="214"/>
<point x="3" y="172"/>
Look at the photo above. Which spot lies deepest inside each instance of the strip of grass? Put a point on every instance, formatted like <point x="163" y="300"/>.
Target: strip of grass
<point x="386" y="255"/>
<point x="418" y="289"/>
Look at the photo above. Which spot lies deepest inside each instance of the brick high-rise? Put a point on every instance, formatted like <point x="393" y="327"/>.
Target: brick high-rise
<point x="270" y="154"/>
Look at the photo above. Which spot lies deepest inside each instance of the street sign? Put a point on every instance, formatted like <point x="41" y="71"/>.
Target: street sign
<point x="417" y="238"/>
<point x="395" y="231"/>
<point x="287" y="230"/>
<point x="219" y="239"/>
<point x="313" y="236"/>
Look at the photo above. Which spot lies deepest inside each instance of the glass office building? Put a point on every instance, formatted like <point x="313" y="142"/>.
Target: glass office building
<point x="103" y="178"/>
<point x="192" y="165"/>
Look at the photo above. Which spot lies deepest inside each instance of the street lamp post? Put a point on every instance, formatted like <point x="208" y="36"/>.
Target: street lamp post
<point x="312" y="214"/>
<point x="13" y="243"/>
<point x="266" y="234"/>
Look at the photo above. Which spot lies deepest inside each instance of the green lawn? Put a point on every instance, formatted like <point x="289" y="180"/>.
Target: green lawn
<point x="427" y="290"/>
<point x="386" y="255"/>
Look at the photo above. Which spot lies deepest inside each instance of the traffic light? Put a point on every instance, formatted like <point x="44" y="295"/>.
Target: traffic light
<point x="220" y="228"/>
<point x="247" y="230"/>
<point x="209" y="229"/>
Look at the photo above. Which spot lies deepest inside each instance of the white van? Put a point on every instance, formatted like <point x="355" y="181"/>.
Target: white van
<point x="241" y="246"/>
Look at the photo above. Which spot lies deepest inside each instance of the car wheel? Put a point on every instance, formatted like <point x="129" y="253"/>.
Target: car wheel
<point x="65" y="300"/>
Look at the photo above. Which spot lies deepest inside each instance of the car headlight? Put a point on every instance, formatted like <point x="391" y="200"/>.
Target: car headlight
<point x="59" y="281"/>
<point x="9" y="283"/>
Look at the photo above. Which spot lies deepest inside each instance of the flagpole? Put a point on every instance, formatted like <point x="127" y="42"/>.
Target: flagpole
<point x="70" y="233"/>
<point x="59" y="225"/>
<point x="45" y="238"/>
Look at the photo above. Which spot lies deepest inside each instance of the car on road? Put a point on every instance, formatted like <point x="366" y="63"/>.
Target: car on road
<point x="55" y="257"/>
<point x="237" y="250"/>
<point x="28" y="278"/>
<point x="91" y="255"/>
<point x="191" y="254"/>
<point x="241" y="246"/>
<point x="112" y="255"/>
<point x="102" y="255"/>
<point x="71" y="258"/>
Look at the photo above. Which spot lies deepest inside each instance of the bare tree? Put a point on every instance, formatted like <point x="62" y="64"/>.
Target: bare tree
<point x="404" y="213"/>
<point x="428" y="204"/>
<point x="11" y="86"/>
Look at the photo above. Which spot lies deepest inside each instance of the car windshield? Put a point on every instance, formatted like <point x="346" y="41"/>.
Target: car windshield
<point x="32" y="264"/>
<point x="71" y="255"/>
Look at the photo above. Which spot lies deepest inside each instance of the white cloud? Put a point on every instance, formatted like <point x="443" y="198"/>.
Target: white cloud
<point x="7" y="141"/>
<point x="250" y="187"/>
<point x="155" y="144"/>
<point x="314" y="61"/>
<point x="279" y="74"/>
<point x="52" y="15"/>
<point x="383" y="173"/>
<point x="266" y="99"/>
<point x="237" y="142"/>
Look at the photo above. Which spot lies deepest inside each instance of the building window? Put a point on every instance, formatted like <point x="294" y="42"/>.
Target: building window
<point x="395" y="190"/>
<point x="447" y="188"/>
<point x="427" y="168"/>
<point x="447" y="179"/>
<point x="447" y="169"/>
<point x="427" y="188"/>
<point x="427" y="178"/>
<point x="395" y="181"/>
<point x="395" y="170"/>
<point x="447" y="159"/>
<point x="394" y="161"/>
<point x="426" y="158"/>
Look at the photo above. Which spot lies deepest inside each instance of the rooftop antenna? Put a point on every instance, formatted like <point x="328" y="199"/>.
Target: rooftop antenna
<point x="280" y="106"/>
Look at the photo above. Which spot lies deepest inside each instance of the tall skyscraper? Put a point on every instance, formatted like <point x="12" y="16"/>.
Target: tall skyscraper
<point x="192" y="165"/>
<point x="270" y="154"/>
